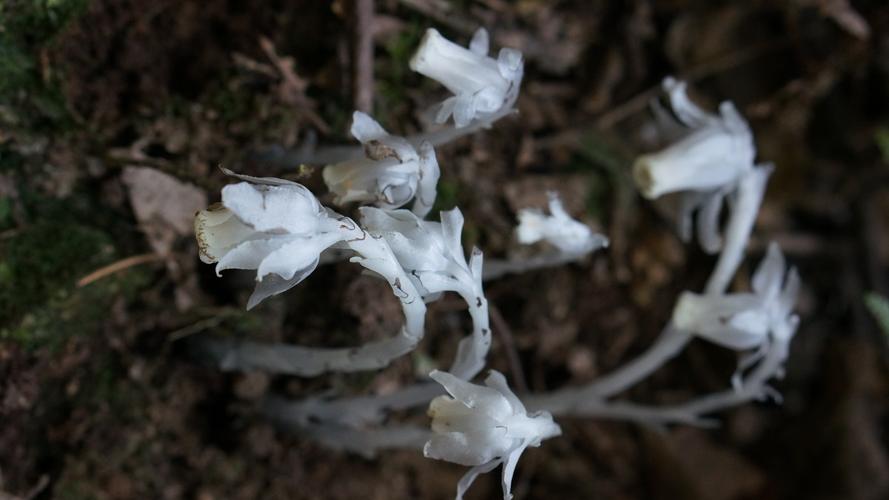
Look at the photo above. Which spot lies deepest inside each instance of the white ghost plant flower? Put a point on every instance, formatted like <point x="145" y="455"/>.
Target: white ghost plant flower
<point x="570" y="236"/>
<point x="710" y="155"/>
<point x="430" y="252"/>
<point x="743" y="321"/>
<point x="483" y="427"/>
<point x="482" y="86"/>
<point x="274" y="226"/>
<point x="392" y="173"/>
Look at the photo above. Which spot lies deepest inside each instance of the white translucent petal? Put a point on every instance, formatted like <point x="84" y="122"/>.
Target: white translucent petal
<point x="468" y="478"/>
<point x="266" y="181"/>
<point x="688" y="112"/>
<point x="708" y="223"/>
<point x="428" y="180"/>
<point x="249" y="255"/>
<point x="366" y="129"/>
<point x="388" y="182"/>
<point x="701" y="161"/>
<point x="789" y="294"/>
<point x="417" y="244"/>
<point x="446" y="109"/>
<point x="476" y="261"/>
<point x="396" y="194"/>
<point x="496" y="380"/>
<point x="770" y="273"/>
<point x="459" y="448"/>
<point x="509" y="466"/>
<point x="480" y="42"/>
<point x="287" y="208"/>
<point x="509" y="62"/>
<point x="451" y="415"/>
<point x="464" y="110"/>
<point x="274" y="284"/>
<point x="295" y="256"/>
<point x="732" y="118"/>
<point x="452" y="228"/>
<point x="483" y="398"/>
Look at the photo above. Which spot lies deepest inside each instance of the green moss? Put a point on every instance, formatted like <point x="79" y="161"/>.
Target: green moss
<point x="881" y="136"/>
<point x="446" y="196"/>
<point x="394" y="76"/>
<point x="45" y="259"/>
<point x="38" y="270"/>
<point x="29" y="94"/>
<point x="879" y="308"/>
<point x="69" y="489"/>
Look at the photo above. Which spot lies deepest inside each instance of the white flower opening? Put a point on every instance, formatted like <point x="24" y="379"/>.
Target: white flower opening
<point x="483" y="427"/>
<point x="710" y="156"/>
<point x="482" y="86"/>
<point x="713" y="152"/>
<point x="570" y="236"/>
<point x="392" y="173"/>
<point x="274" y="226"/>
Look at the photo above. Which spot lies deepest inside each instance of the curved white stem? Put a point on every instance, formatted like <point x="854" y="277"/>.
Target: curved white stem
<point x="375" y="255"/>
<point x="747" y="200"/>
<point x="362" y="410"/>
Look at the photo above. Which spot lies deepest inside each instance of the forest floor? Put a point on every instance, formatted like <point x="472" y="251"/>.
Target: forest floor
<point x="115" y="114"/>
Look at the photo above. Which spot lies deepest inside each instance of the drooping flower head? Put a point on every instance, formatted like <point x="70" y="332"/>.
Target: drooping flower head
<point x="483" y="427"/>
<point x="274" y="226"/>
<point x="570" y="236"/>
<point x="710" y="154"/>
<point x="392" y="173"/>
<point x="744" y="321"/>
<point x="430" y="252"/>
<point x="482" y="86"/>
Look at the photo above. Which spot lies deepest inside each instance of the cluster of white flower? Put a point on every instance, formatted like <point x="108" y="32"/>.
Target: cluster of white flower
<point x="280" y="229"/>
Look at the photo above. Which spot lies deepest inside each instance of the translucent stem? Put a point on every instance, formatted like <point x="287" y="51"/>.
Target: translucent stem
<point x="751" y="189"/>
<point x="375" y="255"/>
<point x="671" y="342"/>
<point x="362" y="410"/>
<point x="692" y="412"/>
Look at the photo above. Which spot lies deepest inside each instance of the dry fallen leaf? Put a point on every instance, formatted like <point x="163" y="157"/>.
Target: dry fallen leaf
<point x="164" y="206"/>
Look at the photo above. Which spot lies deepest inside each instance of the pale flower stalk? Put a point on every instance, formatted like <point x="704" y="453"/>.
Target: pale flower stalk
<point x="431" y="253"/>
<point x="483" y="427"/>
<point x="392" y="173"/>
<point x="483" y="87"/>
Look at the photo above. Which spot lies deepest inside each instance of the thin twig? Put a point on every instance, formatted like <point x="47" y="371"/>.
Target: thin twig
<point x="363" y="55"/>
<point x="442" y="13"/>
<point x="512" y="354"/>
<point x="639" y="102"/>
<point x="118" y="266"/>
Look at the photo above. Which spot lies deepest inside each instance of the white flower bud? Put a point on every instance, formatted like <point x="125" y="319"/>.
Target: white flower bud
<point x="571" y="237"/>
<point x="714" y="152"/>
<point x="483" y="426"/>
<point x="481" y="85"/>
<point x="391" y="174"/>
<point x="277" y="228"/>
<point x="744" y="321"/>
